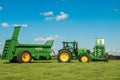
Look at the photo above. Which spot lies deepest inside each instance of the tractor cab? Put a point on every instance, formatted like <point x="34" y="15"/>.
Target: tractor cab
<point x="72" y="46"/>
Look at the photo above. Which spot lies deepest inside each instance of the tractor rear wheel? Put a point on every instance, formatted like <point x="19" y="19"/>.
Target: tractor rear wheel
<point x="24" y="56"/>
<point x="84" y="58"/>
<point x="64" y="56"/>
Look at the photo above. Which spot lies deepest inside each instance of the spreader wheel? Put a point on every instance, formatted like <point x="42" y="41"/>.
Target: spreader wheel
<point x="14" y="60"/>
<point x="24" y="56"/>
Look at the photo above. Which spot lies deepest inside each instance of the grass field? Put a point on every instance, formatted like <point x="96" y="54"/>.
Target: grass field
<point x="52" y="70"/>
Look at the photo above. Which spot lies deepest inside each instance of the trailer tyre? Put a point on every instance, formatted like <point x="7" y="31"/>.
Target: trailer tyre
<point x="84" y="58"/>
<point x="64" y="56"/>
<point x="24" y="56"/>
<point x="14" y="60"/>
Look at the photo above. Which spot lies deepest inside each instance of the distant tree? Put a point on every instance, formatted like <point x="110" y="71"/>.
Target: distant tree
<point x="111" y="57"/>
<point x="117" y="57"/>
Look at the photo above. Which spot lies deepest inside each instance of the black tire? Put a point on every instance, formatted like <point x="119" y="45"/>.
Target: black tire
<point x="106" y="57"/>
<point x="84" y="58"/>
<point x="64" y="56"/>
<point x="24" y="57"/>
<point x="14" y="60"/>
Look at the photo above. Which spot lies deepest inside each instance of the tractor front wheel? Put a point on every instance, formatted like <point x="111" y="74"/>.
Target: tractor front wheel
<point x="84" y="58"/>
<point x="64" y="56"/>
<point x="24" y="56"/>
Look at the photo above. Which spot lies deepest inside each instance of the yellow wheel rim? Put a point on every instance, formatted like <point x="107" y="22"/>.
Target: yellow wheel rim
<point x="25" y="57"/>
<point x="84" y="59"/>
<point x="64" y="57"/>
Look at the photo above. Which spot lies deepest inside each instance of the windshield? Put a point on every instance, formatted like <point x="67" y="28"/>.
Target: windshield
<point x="69" y="45"/>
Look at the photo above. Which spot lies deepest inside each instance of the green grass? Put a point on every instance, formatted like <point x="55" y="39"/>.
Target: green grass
<point x="52" y="70"/>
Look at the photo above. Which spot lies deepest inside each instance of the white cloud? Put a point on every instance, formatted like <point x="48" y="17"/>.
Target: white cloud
<point x="113" y="51"/>
<point x="61" y="16"/>
<point x="7" y="25"/>
<point x="4" y="24"/>
<point x="49" y="18"/>
<point x="1" y="8"/>
<point x="50" y="13"/>
<point x="23" y="25"/>
<point x="48" y="38"/>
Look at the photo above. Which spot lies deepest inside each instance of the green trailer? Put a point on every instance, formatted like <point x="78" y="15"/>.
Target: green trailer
<point x="16" y="52"/>
<point x="71" y="51"/>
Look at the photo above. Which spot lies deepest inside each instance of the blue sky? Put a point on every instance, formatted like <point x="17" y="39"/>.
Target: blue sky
<point x="62" y="20"/>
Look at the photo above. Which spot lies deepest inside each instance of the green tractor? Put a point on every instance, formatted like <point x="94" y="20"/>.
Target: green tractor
<point x="71" y="51"/>
<point x="16" y="52"/>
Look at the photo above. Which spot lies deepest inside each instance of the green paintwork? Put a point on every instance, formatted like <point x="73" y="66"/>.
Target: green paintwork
<point x="38" y="51"/>
<point x="12" y="48"/>
<point x="72" y="47"/>
<point x="99" y="52"/>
